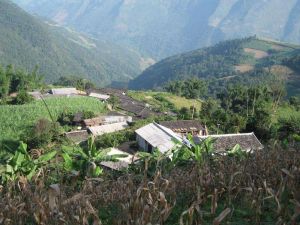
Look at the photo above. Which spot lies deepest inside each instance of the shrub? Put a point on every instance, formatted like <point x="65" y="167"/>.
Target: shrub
<point x="22" y="98"/>
<point x="43" y="132"/>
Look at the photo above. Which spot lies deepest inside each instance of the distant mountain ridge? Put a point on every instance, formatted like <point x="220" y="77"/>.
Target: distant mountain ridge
<point x="245" y="61"/>
<point x="163" y="28"/>
<point x="25" y="41"/>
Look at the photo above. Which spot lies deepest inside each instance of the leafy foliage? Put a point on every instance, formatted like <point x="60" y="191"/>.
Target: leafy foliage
<point x="86" y="160"/>
<point x="22" y="164"/>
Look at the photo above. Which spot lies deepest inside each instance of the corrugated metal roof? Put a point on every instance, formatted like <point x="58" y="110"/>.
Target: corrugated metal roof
<point x="158" y="136"/>
<point x="109" y="128"/>
<point x="99" y="96"/>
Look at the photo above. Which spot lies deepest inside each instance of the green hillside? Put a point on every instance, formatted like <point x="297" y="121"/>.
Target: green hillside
<point x="236" y="61"/>
<point x="26" y="41"/>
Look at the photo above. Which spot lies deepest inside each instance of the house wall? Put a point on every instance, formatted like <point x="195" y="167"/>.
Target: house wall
<point x="143" y="144"/>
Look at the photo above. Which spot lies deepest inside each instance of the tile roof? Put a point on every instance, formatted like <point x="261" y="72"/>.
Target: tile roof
<point x="184" y="125"/>
<point x="224" y="142"/>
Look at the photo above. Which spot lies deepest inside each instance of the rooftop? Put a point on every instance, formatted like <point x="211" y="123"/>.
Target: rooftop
<point x="109" y="128"/>
<point x="64" y="91"/>
<point x="184" y="125"/>
<point x="224" y="142"/>
<point x="158" y="136"/>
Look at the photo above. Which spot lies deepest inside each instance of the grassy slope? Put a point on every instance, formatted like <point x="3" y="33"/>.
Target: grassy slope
<point x="15" y="119"/>
<point x="178" y="102"/>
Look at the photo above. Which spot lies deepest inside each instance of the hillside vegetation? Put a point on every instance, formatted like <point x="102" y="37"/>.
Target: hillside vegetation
<point x="25" y="41"/>
<point x="247" y="61"/>
<point x="164" y="28"/>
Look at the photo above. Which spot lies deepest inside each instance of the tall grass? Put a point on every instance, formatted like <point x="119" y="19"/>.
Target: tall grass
<point x="15" y="119"/>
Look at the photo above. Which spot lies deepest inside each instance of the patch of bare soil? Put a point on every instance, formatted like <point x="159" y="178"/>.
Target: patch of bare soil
<point x="243" y="68"/>
<point x="258" y="54"/>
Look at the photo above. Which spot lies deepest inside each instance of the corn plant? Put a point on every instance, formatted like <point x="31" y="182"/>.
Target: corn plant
<point x="22" y="164"/>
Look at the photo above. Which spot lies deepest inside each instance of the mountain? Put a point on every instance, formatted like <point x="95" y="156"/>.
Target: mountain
<point x="163" y="28"/>
<point x="26" y="41"/>
<point x="235" y="61"/>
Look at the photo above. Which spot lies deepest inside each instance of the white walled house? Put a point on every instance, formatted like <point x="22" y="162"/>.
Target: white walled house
<point x="154" y="136"/>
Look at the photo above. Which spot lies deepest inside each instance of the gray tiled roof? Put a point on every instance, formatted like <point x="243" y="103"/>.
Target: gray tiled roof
<point x="247" y="141"/>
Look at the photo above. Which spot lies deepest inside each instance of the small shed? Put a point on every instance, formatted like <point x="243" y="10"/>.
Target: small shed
<point x="154" y="136"/>
<point x="224" y="142"/>
<point x="184" y="127"/>
<point x="109" y="128"/>
<point x="64" y="91"/>
<point x="122" y="163"/>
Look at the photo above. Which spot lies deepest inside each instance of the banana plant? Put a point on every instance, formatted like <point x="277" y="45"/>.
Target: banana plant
<point x="196" y="152"/>
<point x="237" y="152"/>
<point x="22" y="164"/>
<point x="87" y="160"/>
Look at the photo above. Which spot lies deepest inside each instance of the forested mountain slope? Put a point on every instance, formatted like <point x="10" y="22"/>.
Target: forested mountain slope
<point x="240" y="60"/>
<point x="26" y="42"/>
<point x="162" y="28"/>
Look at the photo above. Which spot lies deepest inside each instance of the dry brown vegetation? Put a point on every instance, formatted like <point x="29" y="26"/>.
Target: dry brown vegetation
<point x="264" y="187"/>
<point x="258" y="54"/>
<point x="243" y="68"/>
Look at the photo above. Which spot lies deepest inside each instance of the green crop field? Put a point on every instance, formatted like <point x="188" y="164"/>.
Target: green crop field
<point x="15" y="119"/>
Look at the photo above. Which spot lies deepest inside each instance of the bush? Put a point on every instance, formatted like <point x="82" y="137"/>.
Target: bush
<point x="114" y="139"/>
<point x="22" y="98"/>
<point x="43" y="133"/>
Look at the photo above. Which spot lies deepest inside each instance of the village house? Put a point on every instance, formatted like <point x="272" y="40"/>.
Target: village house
<point x="154" y="136"/>
<point x="224" y="142"/>
<point x="184" y="127"/>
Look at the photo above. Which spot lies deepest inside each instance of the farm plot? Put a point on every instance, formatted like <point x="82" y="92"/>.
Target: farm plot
<point x="16" y="119"/>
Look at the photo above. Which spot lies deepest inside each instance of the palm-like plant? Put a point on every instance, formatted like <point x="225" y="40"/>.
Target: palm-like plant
<point x="87" y="160"/>
<point x="196" y="152"/>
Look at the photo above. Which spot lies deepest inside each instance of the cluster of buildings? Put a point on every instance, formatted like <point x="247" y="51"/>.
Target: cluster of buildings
<point x="162" y="136"/>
